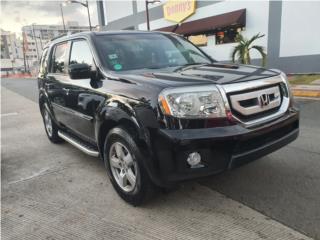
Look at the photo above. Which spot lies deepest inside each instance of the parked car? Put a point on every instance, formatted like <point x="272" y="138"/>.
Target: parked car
<point x="158" y="110"/>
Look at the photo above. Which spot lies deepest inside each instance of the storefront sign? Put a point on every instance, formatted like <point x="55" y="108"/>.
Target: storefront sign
<point x="179" y="10"/>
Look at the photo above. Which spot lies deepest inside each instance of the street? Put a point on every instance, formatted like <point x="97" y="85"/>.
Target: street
<point x="56" y="192"/>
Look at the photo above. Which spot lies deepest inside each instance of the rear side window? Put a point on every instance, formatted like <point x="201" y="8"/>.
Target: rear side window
<point x="44" y="61"/>
<point x="80" y="53"/>
<point x="59" y="57"/>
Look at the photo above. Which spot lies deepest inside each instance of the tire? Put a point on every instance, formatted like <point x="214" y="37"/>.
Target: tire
<point x="121" y="164"/>
<point x="49" y="125"/>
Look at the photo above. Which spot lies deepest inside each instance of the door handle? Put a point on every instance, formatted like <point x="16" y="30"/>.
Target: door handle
<point x="67" y="90"/>
<point x="48" y="85"/>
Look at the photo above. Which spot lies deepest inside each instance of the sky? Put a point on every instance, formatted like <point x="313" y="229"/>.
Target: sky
<point x="15" y="14"/>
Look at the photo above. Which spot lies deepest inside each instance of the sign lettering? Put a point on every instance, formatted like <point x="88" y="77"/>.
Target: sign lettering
<point x="178" y="10"/>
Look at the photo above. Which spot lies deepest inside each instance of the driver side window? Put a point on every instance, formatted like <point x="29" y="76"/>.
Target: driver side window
<point x="80" y="53"/>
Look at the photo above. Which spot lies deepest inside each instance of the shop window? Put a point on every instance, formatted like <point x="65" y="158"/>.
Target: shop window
<point x="216" y="37"/>
<point x="228" y="35"/>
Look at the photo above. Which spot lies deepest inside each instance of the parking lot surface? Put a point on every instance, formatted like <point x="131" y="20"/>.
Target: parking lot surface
<point x="56" y="192"/>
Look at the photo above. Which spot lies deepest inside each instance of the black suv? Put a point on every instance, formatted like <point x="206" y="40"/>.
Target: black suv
<point x="158" y="110"/>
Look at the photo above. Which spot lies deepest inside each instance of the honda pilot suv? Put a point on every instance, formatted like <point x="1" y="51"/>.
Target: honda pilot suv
<point x="158" y="110"/>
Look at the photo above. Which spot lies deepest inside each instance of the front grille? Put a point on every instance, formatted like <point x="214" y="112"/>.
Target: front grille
<point x="253" y="104"/>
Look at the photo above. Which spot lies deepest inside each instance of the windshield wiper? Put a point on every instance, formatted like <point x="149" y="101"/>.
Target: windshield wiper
<point x="155" y="67"/>
<point x="190" y="66"/>
<point x="180" y="67"/>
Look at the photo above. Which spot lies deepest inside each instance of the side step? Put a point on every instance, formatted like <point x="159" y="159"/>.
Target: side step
<point x="79" y="144"/>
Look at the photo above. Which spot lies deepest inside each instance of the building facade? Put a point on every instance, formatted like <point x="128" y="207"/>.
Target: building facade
<point x="11" y="53"/>
<point x="11" y="46"/>
<point x="291" y="30"/>
<point x="35" y="37"/>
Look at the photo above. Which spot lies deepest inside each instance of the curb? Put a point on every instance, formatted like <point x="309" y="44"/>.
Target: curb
<point x="13" y="76"/>
<point x="305" y="93"/>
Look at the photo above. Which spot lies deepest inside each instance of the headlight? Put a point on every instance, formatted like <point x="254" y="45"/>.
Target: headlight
<point x="192" y="102"/>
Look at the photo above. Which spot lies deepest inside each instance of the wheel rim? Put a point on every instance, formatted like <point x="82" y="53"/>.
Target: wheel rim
<point x="124" y="169"/>
<point x="48" y="122"/>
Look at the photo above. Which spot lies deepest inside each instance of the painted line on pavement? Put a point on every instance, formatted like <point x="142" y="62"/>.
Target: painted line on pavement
<point x="9" y="114"/>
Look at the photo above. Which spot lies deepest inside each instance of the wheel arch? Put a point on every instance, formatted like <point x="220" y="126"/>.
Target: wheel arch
<point x="127" y="123"/>
<point x="42" y="99"/>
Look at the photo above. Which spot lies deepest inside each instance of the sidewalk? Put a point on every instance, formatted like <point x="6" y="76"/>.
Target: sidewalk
<point x="45" y="196"/>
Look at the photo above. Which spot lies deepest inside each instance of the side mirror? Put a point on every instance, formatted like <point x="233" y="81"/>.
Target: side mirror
<point x="79" y="71"/>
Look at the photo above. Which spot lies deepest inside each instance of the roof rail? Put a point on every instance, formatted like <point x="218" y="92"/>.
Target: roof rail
<point x="62" y="35"/>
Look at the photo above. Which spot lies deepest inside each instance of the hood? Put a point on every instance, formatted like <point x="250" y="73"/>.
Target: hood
<point x="216" y="73"/>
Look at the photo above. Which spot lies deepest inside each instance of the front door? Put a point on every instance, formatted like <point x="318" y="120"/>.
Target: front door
<point x="56" y="82"/>
<point x="83" y="100"/>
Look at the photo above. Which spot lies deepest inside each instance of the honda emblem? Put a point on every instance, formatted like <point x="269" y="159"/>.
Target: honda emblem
<point x="264" y="100"/>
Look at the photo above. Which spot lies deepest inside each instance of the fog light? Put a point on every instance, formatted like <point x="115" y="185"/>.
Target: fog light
<point x="194" y="159"/>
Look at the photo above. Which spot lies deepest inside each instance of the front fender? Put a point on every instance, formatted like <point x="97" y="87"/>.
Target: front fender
<point x="44" y="99"/>
<point x="111" y="116"/>
<point x="138" y="119"/>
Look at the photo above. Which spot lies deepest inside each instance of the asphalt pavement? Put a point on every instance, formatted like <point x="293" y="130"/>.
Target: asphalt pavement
<point x="56" y="192"/>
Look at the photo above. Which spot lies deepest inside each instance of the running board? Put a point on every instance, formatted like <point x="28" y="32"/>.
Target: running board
<point x="78" y="144"/>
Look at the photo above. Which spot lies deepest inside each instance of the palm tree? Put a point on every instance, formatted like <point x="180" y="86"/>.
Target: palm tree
<point x="244" y="47"/>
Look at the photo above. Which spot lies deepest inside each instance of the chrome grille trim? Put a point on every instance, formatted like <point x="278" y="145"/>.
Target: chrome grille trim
<point x="255" y="96"/>
<point x="253" y="85"/>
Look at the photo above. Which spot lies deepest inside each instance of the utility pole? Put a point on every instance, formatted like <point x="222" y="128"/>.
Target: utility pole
<point x="24" y="62"/>
<point x="147" y="10"/>
<point x="85" y="5"/>
<point x="40" y="37"/>
<point x="24" y="52"/>
<point x="90" y="27"/>
<point x="12" y="62"/>
<point x="25" y="48"/>
<point x="64" y="26"/>
<point x="100" y="10"/>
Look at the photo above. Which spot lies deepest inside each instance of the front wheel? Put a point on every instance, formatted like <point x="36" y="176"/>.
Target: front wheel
<point x="50" y="126"/>
<point x="123" y="161"/>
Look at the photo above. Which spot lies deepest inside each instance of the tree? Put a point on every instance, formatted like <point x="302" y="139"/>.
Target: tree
<point x="242" y="50"/>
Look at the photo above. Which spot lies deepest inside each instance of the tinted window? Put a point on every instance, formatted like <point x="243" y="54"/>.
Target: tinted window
<point x="80" y="53"/>
<point x="137" y="51"/>
<point x="59" y="57"/>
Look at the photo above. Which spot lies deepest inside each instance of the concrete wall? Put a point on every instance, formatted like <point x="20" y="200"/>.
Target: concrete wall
<point x="281" y="51"/>
<point x="292" y="34"/>
<point x="300" y="30"/>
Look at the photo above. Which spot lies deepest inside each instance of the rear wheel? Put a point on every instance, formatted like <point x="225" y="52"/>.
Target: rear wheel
<point x="123" y="161"/>
<point x="50" y="126"/>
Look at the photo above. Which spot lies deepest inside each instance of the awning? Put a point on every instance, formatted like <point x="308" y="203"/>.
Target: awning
<point x="235" y="18"/>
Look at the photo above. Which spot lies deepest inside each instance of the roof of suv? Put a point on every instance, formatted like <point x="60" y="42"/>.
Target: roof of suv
<point x="93" y="34"/>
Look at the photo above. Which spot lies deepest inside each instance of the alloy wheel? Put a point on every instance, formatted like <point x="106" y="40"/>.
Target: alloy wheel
<point x="124" y="169"/>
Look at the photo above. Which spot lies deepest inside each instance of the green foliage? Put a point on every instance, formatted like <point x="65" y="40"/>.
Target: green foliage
<point x="303" y="79"/>
<point x="241" y="52"/>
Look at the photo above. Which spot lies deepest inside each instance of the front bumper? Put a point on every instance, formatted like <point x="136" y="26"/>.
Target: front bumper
<point x="221" y="148"/>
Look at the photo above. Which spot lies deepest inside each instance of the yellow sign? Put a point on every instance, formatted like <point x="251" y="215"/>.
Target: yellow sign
<point x="179" y="10"/>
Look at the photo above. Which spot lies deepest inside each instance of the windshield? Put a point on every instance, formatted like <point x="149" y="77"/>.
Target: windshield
<point x="123" y="52"/>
